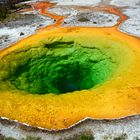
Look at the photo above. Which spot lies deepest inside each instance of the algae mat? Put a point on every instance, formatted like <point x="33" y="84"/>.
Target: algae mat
<point x="56" y="78"/>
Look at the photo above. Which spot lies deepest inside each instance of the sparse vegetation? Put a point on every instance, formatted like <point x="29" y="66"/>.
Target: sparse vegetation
<point x="10" y="138"/>
<point x="121" y="137"/>
<point x="5" y="7"/>
<point x="107" y="137"/>
<point x="9" y="8"/>
<point x="3" y="12"/>
<point x="83" y="136"/>
<point x="31" y="138"/>
<point x="6" y="138"/>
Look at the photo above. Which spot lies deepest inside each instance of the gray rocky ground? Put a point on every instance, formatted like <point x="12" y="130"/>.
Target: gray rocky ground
<point x="27" y="24"/>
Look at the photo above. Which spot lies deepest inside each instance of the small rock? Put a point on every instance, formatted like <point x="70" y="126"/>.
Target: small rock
<point x="94" y="22"/>
<point x="21" y="33"/>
